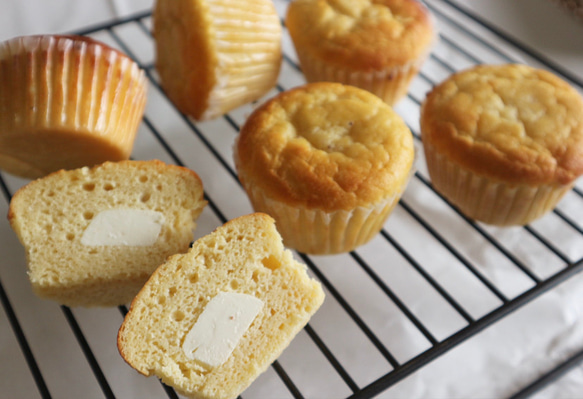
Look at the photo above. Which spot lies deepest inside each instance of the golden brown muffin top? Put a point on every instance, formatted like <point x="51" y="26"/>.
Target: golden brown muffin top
<point x="361" y="34"/>
<point x="511" y="122"/>
<point x="326" y="146"/>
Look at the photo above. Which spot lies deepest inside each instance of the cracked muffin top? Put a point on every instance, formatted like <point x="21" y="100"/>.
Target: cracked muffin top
<point x="325" y="145"/>
<point x="362" y="34"/>
<point x="511" y="123"/>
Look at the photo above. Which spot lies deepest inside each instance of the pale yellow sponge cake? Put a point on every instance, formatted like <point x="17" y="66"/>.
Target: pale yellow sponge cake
<point x="377" y="45"/>
<point x="215" y="55"/>
<point x="93" y="236"/>
<point x="208" y="322"/>
<point x="328" y="162"/>
<point x="503" y="143"/>
<point x="66" y="102"/>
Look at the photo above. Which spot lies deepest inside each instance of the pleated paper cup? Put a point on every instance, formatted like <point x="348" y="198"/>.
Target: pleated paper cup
<point x="66" y="102"/>
<point x="315" y="231"/>
<point x="390" y="84"/>
<point x="492" y="202"/>
<point x="248" y="45"/>
<point x="220" y="56"/>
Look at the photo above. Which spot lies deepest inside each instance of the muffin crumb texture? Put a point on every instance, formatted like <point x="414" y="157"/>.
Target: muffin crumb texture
<point x="77" y="255"/>
<point x="245" y="257"/>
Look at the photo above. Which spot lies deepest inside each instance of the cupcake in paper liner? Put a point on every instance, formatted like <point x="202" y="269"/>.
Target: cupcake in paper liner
<point x="378" y="46"/>
<point x="328" y="162"/>
<point x="66" y="102"/>
<point x="503" y="143"/>
<point x="213" y="58"/>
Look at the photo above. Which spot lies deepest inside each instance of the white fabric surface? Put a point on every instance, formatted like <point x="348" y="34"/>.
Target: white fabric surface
<point x="26" y="17"/>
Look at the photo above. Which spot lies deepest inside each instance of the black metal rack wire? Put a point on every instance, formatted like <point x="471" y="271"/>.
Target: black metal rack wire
<point x="427" y="216"/>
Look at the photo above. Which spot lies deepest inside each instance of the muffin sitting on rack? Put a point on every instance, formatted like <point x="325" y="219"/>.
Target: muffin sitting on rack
<point x="66" y="102"/>
<point x="213" y="57"/>
<point x="377" y="45"/>
<point x="328" y="162"/>
<point x="503" y="143"/>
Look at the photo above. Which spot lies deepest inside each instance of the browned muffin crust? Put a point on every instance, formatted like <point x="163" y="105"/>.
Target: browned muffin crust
<point x="365" y="35"/>
<point x="511" y="123"/>
<point x="327" y="146"/>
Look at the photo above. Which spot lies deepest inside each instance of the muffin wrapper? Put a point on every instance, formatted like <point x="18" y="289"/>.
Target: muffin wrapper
<point x="491" y="202"/>
<point x="390" y="84"/>
<point x="61" y="83"/>
<point x="247" y="69"/>
<point x="315" y="231"/>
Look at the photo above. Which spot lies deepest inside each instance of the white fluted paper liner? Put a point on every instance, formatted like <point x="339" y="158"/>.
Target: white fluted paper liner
<point x="389" y="84"/>
<point x="315" y="231"/>
<point x="68" y="92"/>
<point x="247" y="40"/>
<point x="491" y="202"/>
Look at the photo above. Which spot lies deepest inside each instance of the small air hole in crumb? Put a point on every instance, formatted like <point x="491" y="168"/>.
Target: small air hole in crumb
<point x="51" y="194"/>
<point x="234" y="284"/>
<point x="108" y="186"/>
<point x="172" y="291"/>
<point x="89" y="186"/>
<point x="70" y="236"/>
<point x="88" y="215"/>
<point x="193" y="278"/>
<point x="159" y="187"/>
<point x="178" y="315"/>
<point x="271" y="262"/>
<point x="255" y="276"/>
<point x="186" y="372"/>
<point x="145" y="197"/>
<point x="161" y="300"/>
<point x="143" y="178"/>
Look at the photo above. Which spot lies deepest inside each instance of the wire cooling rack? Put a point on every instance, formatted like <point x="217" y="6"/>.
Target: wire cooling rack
<point x="431" y="280"/>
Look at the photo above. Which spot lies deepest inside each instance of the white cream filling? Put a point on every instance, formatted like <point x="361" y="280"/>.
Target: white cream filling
<point x="128" y="227"/>
<point x="220" y="327"/>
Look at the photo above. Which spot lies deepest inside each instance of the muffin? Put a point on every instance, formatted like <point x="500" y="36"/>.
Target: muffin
<point x="210" y="321"/>
<point x="93" y="236"/>
<point x="377" y="45"/>
<point x="66" y="102"/>
<point x="212" y="57"/>
<point x="503" y="143"/>
<point x="328" y="162"/>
